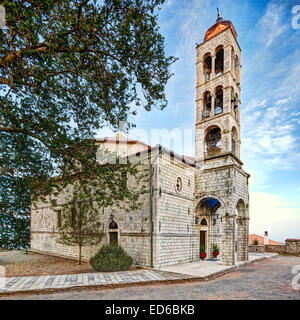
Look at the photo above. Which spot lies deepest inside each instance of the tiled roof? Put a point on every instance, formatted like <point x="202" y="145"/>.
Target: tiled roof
<point x="260" y="239"/>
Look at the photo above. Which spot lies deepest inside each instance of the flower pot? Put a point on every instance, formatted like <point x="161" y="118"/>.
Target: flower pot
<point x="202" y="255"/>
<point x="215" y="254"/>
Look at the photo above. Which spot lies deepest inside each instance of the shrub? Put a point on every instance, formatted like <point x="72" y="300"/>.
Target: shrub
<point x="111" y="258"/>
<point x="215" y="247"/>
<point x="255" y="242"/>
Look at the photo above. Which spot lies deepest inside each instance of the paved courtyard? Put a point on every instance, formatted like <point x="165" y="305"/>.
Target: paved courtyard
<point x="212" y="267"/>
<point x="34" y="283"/>
<point x="263" y="280"/>
<point x="199" y="269"/>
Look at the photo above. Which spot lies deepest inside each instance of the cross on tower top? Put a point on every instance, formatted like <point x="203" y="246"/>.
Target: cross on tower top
<point x="219" y="15"/>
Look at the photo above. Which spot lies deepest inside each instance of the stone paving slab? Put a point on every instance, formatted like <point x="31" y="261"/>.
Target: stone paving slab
<point x="209" y="268"/>
<point x="19" y="284"/>
<point x="191" y="271"/>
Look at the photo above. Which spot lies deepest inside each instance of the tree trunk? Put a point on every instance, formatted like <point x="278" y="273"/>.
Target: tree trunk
<point x="79" y="256"/>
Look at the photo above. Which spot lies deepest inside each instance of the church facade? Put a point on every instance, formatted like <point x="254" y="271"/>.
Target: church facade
<point x="192" y="203"/>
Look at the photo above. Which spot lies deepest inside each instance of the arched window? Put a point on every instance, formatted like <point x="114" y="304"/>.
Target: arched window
<point x="219" y="64"/>
<point x="241" y="208"/>
<point x="203" y="222"/>
<point x="219" y="100"/>
<point x="178" y="185"/>
<point x="207" y="66"/>
<point x="113" y="233"/>
<point x="113" y="225"/>
<point x="206" y="104"/>
<point x="213" y="141"/>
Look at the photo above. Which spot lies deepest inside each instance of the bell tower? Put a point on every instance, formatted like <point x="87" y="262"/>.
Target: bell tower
<point x="218" y="93"/>
<point x="221" y="185"/>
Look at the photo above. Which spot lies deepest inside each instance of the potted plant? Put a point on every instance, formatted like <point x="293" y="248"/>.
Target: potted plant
<point x="216" y="250"/>
<point x="202" y="252"/>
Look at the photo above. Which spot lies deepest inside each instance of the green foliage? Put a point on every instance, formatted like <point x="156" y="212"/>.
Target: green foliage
<point x="255" y="242"/>
<point x="215" y="247"/>
<point x="202" y="248"/>
<point x="67" y="69"/>
<point x="14" y="236"/>
<point x="80" y="224"/>
<point x="111" y="258"/>
<point x="14" y="211"/>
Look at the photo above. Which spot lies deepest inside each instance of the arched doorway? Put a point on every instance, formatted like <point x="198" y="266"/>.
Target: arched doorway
<point x="113" y="232"/>
<point x="203" y="234"/>
<point x="208" y="221"/>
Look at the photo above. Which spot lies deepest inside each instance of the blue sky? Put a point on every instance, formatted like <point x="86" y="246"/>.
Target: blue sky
<point x="270" y="110"/>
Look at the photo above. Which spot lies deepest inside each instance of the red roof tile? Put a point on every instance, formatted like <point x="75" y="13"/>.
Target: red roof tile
<point x="260" y="239"/>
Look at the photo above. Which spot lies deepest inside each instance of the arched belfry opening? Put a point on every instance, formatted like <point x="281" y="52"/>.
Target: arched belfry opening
<point x="207" y="67"/>
<point x="213" y="141"/>
<point x="219" y="100"/>
<point x="206" y="104"/>
<point x="219" y="62"/>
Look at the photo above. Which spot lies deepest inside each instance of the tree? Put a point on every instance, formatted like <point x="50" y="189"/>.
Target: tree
<point x="79" y="221"/>
<point x="68" y="68"/>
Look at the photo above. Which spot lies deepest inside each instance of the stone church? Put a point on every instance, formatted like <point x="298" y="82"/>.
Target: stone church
<point x="191" y="201"/>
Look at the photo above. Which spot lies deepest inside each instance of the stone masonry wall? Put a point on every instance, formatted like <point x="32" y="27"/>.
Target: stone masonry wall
<point x="291" y="247"/>
<point x="228" y="252"/>
<point x="177" y="240"/>
<point x="133" y="232"/>
<point x="133" y="229"/>
<point x="259" y="249"/>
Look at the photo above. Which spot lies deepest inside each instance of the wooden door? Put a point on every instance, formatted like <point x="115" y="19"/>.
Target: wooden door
<point x="202" y="238"/>
<point x="113" y="238"/>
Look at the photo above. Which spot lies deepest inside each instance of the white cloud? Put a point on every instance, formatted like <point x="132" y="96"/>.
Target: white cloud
<point x="254" y="104"/>
<point x="271" y="24"/>
<point x="283" y="101"/>
<point x="270" y="212"/>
